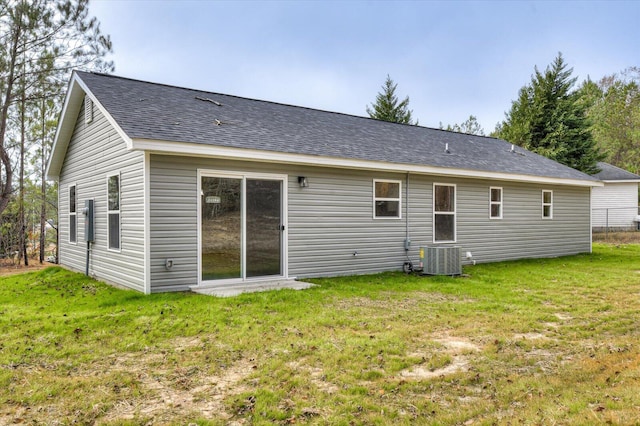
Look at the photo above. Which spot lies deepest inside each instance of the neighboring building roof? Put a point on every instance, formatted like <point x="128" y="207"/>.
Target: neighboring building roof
<point x="164" y="118"/>
<point x="610" y="173"/>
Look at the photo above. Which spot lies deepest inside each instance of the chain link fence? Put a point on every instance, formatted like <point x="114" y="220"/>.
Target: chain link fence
<point x="615" y="219"/>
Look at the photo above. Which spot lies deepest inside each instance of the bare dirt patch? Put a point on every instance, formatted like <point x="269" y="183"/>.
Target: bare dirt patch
<point x="9" y="267"/>
<point x="563" y="317"/>
<point x="456" y="347"/>
<point x="174" y="392"/>
<point x="171" y="391"/>
<point x="459" y="364"/>
<point x="529" y="336"/>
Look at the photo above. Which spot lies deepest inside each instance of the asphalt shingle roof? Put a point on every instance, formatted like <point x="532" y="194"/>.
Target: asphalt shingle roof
<point x="160" y="112"/>
<point x="610" y="172"/>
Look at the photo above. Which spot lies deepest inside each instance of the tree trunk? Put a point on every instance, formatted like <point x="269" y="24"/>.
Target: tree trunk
<point x="6" y="189"/>
<point x="43" y="189"/>
<point x="21" y="215"/>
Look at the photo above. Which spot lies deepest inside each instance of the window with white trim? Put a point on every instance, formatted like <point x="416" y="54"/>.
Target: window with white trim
<point x="73" y="215"/>
<point x="386" y="199"/>
<point x="547" y="204"/>
<point x="113" y="211"/>
<point x="495" y="202"/>
<point x="444" y="213"/>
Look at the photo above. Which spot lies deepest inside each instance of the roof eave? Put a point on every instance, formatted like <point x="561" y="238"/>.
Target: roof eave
<point x="621" y="181"/>
<point x="66" y="124"/>
<point x="204" y="150"/>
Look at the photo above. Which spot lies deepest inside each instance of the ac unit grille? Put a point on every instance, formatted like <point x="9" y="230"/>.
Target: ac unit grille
<point x="441" y="260"/>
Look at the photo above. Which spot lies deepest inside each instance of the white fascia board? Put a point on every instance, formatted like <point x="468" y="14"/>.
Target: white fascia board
<point x="73" y="101"/>
<point x="622" y="181"/>
<point x="203" y="150"/>
<point x="71" y="107"/>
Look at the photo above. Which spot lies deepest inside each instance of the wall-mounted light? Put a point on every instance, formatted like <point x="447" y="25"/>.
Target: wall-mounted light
<point x="303" y="182"/>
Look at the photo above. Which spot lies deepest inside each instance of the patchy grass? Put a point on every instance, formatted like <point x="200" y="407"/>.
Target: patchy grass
<point x="629" y="237"/>
<point x="552" y="341"/>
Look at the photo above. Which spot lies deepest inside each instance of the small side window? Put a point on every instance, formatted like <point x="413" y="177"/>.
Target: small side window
<point x="113" y="211"/>
<point x="386" y="199"/>
<point x="73" y="217"/>
<point x="547" y="204"/>
<point x="495" y="203"/>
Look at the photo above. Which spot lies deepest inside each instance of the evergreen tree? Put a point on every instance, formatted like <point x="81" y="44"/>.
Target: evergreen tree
<point x="550" y="119"/>
<point x="42" y="40"/>
<point x="470" y="126"/>
<point x="614" y="109"/>
<point x="388" y="108"/>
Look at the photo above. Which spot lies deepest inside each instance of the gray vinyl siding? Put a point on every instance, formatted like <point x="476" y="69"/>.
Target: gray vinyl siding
<point x="173" y="224"/>
<point x="327" y="222"/>
<point x="332" y="219"/>
<point x="95" y="152"/>
<point x="322" y="244"/>
<point x="522" y="232"/>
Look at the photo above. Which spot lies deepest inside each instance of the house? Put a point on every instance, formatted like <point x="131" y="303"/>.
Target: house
<point x="615" y="205"/>
<point x="187" y="188"/>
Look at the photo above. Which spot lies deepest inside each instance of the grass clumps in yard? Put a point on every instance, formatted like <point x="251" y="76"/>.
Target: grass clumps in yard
<point x="529" y="342"/>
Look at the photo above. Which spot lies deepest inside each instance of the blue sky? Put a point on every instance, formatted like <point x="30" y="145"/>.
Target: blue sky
<point x="452" y="58"/>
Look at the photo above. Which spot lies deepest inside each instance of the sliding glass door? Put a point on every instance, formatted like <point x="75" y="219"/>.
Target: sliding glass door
<point x="241" y="227"/>
<point x="264" y="227"/>
<point x="221" y="231"/>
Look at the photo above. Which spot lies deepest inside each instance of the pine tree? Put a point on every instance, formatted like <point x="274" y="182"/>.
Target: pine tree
<point x="470" y="126"/>
<point x="550" y="119"/>
<point x="42" y="41"/>
<point x="387" y="107"/>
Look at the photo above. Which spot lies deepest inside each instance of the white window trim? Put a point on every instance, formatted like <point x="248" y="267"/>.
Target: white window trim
<point x="75" y="214"/>
<point x="454" y="213"/>
<point x="496" y="203"/>
<point x="399" y="199"/>
<point x="550" y="204"/>
<point x="119" y="211"/>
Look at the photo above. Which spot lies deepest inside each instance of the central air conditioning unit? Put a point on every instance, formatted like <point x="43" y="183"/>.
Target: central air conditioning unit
<point x="441" y="260"/>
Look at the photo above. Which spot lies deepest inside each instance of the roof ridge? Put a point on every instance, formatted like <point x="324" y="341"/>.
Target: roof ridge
<point x="281" y="104"/>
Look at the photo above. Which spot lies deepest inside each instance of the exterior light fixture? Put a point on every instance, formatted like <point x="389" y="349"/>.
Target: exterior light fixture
<point x="303" y="182"/>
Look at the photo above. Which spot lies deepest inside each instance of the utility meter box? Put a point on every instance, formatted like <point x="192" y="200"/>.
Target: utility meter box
<point x="89" y="229"/>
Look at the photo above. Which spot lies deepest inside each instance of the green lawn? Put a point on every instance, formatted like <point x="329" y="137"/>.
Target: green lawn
<point x="553" y="341"/>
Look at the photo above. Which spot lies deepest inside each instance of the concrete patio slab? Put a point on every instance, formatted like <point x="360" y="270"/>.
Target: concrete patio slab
<point x="230" y="290"/>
